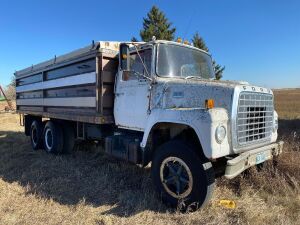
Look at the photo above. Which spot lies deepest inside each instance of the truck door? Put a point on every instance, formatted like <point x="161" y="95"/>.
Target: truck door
<point x="132" y="92"/>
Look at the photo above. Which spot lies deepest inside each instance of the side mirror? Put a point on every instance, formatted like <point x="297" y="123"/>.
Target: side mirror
<point x="124" y="56"/>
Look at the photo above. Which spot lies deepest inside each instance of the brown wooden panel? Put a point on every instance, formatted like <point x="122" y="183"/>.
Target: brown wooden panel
<point x="109" y="64"/>
<point x="107" y="96"/>
<point x="108" y="76"/>
<point x="107" y="69"/>
<point x="107" y="89"/>
<point x="107" y="101"/>
<point x="97" y="119"/>
<point x="111" y="55"/>
<point x="71" y="110"/>
<point x="108" y="111"/>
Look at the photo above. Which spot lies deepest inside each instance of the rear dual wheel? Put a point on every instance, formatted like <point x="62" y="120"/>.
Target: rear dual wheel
<point x="54" y="137"/>
<point x="36" y="133"/>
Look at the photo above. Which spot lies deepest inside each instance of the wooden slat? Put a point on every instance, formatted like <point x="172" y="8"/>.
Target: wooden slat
<point x="71" y="110"/>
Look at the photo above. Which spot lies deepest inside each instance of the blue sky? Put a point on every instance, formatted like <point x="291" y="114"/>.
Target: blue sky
<point x="258" y="41"/>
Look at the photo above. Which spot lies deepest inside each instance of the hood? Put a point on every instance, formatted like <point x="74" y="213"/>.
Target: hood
<point x="192" y="93"/>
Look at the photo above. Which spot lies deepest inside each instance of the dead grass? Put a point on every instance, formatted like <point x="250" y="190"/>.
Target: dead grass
<point x="91" y="188"/>
<point x="287" y="103"/>
<point x="4" y="106"/>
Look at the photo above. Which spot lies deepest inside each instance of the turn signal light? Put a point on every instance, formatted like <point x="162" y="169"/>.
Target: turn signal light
<point x="209" y="103"/>
<point x="179" y="40"/>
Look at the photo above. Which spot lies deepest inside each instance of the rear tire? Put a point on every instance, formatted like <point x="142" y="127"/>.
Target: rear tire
<point x="36" y="133"/>
<point x="53" y="137"/>
<point x="181" y="178"/>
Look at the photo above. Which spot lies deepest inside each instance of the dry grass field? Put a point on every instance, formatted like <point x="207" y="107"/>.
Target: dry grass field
<point x="88" y="187"/>
<point x="287" y="103"/>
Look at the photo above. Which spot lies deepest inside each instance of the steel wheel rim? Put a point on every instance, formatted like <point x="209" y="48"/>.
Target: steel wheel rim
<point x="34" y="136"/>
<point x="49" y="139"/>
<point x="176" y="177"/>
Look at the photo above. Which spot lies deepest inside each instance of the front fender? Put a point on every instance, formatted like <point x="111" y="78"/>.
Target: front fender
<point x="203" y="121"/>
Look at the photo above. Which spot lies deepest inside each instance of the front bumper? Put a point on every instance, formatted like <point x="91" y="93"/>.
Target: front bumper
<point x="250" y="158"/>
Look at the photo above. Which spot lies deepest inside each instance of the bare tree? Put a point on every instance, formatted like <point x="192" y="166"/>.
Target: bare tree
<point x="10" y="90"/>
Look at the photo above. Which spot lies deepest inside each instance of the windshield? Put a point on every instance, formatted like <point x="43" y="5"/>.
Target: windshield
<point x="184" y="62"/>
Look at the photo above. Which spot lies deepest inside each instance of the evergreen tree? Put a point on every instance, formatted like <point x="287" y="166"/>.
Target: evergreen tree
<point x="156" y="24"/>
<point x="198" y="42"/>
<point x="218" y="70"/>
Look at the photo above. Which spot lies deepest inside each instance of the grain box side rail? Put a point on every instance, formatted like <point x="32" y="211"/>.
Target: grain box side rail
<point x="78" y="86"/>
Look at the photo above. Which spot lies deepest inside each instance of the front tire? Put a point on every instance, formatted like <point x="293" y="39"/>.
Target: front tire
<point x="181" y="178"/>
<point x="53" y="137"/>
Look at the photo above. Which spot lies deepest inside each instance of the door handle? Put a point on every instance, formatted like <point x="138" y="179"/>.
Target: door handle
<point x="119" y="94"/>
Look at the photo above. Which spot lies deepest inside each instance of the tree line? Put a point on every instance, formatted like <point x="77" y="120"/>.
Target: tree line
<point x="156" y="24"/>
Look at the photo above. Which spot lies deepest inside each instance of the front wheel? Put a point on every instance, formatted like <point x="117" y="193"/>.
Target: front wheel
<point x="181" y="178"/>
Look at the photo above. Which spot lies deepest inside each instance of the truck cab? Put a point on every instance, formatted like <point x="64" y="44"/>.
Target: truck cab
<point x="156" y="102"/>
<point x="168" y="91"/>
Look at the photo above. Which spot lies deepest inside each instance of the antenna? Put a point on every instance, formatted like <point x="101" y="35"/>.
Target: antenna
<point x="189" y="23"/>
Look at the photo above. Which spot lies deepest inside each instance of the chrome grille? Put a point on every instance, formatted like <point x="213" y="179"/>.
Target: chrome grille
<point x="254" y="117"/>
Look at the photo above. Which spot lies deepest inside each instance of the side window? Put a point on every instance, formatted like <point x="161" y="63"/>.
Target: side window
<point x="137" y="69"/>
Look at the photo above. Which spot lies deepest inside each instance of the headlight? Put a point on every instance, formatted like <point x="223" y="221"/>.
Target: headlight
<point x="220" y="133"/>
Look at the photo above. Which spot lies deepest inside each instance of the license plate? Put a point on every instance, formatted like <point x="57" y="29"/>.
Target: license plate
<point x="260" y="157"/>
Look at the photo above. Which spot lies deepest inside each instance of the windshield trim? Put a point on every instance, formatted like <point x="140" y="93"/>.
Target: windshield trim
<point x="180" y="45"/>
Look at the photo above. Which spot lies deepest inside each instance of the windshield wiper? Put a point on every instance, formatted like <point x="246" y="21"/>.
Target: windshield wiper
<point x="192" y="77"/>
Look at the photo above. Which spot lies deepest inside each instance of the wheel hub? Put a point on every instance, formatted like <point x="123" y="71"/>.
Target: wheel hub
<point x="176" y="177"/>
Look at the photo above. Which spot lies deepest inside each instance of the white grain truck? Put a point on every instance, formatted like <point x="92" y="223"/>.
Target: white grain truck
<point x="152" y="102"/>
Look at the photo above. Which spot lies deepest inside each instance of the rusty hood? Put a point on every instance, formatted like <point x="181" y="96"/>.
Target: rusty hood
<point x="192" y="93"/>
